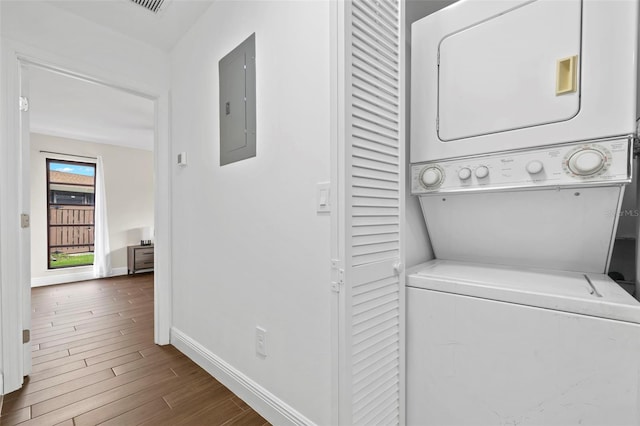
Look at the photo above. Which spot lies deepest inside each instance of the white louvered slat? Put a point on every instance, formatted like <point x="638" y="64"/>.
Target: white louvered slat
<point x="368" y="129"/>
<point x="374" y="59"/>
<point x="374" y="170"/>
<point x="373" y="221"/>
<point x="376" y="188"/>
<point x="364" y="377"/>
<point x="367" y="11"/>
<point x="364" y="182"/>
<point x="371" y="84"/>
<point x="379" y="40"/>
<point x="375" y="316"/>
<point x="375" y="77"/>
<point x="368" y="211"/>
<point x="369" y="403"/>
<point x="375" y="177"/>
<point x="369" y="112"/>
<point x="372" y="149"/>
<point x="375" y="362"/>
<point x="364" y="230"/>
<point x="363" y="90"/>
<point x="371" y="164"/>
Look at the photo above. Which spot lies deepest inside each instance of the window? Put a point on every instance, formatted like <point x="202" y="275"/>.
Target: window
<point x="71" y="212"/>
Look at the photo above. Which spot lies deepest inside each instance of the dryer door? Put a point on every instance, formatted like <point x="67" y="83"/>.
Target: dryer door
<point x="489" y="76"/>
<point x="515" y="70"/>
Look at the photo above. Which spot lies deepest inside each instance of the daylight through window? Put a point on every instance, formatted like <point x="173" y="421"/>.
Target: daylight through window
<point x="71" y="207"/>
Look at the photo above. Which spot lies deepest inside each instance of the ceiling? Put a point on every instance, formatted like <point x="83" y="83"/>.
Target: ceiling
<point x="162" y="30"/>
<point x="68" y="107"/>
<point x="72" y="108"/>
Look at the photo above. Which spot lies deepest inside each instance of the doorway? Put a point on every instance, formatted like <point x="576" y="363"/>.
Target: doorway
<point x="72" y="122"/>
<point x="16" y="291"/>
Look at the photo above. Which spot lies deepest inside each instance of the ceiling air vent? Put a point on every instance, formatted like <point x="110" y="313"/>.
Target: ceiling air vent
<point x="153" y="5"/>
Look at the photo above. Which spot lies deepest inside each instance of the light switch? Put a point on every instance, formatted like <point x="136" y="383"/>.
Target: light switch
<point x="323" y="197"/>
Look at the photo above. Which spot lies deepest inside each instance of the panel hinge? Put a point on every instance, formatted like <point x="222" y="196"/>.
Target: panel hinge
<point x="26" y="336"/>
<point x="24" y="104"/>
<point x="438" y="57"/>
<point x="437" y="124"/>
<point x="337" y="275"/>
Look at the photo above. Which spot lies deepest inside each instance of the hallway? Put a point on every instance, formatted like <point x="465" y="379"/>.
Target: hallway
<point x="94" y="362"/>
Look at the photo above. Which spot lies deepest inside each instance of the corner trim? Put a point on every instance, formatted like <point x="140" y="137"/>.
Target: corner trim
<point x="264" y="402"/>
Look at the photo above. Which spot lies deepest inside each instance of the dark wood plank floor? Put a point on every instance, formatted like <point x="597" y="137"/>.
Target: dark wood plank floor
<point x="94" y="362"/>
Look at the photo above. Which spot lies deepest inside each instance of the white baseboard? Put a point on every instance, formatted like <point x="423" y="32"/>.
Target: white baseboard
<point x="71" y="278"/>
<point x="264" y="402"/>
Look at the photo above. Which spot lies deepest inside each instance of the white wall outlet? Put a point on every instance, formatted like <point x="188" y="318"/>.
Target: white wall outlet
<point x="261" y="341"/>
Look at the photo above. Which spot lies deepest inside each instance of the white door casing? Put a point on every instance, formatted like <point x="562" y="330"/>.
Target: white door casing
<point x="24" y="183"/>
<point x="11" y="288"/>
<point x="370" y="104"/>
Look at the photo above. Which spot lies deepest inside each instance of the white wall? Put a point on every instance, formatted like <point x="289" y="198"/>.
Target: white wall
<point x="128" y="175"/>
<point x="43" y="32"/>
<point x="249" y="247"/>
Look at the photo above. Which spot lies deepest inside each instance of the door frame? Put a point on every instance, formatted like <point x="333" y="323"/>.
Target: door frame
<point x="14" y="275"/>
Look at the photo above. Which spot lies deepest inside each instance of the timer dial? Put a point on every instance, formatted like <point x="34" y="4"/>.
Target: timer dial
<point x="431" y="176"/>
<point x="586" y="161"/>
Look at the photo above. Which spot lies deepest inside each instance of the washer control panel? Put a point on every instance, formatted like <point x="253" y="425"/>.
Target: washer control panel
<point x="605" y="161"/>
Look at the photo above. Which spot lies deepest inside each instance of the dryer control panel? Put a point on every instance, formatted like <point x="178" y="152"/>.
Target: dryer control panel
<point x="586" y="163"/>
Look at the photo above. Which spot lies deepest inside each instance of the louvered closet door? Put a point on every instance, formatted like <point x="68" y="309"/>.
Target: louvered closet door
<point x="372" y="389"/>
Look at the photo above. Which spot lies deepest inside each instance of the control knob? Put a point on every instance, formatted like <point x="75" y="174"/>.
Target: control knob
<point x="482" y="172"/>
<point x="586" y="162"/>
<point x="464" y="173"/>
<point x="534" y="167"/>
<point x="431" y="176"/>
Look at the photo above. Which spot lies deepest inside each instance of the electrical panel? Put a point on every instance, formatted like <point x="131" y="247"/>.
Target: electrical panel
<point x="237" y="71"/>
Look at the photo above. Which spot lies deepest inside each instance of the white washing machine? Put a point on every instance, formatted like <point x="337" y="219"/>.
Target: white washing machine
<point x="515" y="322"/>
<point x="490" y="345"/>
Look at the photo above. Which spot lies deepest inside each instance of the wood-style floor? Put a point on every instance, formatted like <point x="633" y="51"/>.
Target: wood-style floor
<point x="94" y="362"/>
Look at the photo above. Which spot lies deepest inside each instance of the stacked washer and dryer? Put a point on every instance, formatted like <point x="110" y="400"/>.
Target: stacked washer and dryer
<point x="522" y="134"/>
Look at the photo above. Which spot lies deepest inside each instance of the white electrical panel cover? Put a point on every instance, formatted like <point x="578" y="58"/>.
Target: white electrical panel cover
<point x="237" y="73"/>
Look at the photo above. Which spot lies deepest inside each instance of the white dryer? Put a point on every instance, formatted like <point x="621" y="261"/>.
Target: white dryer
<point x="489" y="76"/>
<point x="489" y="345"/>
